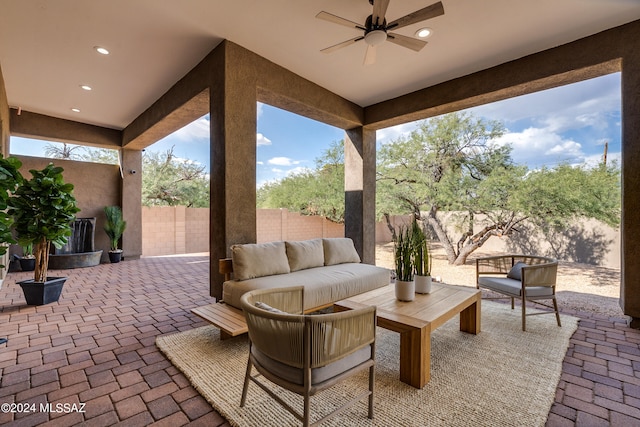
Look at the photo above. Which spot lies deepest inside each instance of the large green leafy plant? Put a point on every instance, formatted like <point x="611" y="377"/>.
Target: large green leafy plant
<point x="43" y="209"/>
<point x="114" y="226"/>
<point x="10" y="178"/>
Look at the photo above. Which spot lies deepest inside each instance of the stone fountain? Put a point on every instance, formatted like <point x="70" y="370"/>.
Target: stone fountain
<point x="79" y="250"/>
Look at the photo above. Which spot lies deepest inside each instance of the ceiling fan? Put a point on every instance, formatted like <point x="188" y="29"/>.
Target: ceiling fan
<point x="376" y="29"/>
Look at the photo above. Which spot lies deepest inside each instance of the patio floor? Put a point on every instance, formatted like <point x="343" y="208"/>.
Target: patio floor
<point x="97" y="347"/>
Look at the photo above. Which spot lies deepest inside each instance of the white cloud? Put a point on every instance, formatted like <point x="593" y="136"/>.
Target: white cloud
<point x="277" y="170"/>
<point x="194" y="130"/>
<point x="262" y="140"/>
<point x="298" y="170"/>
<point x="535" y="146"/>
<point x="260" y="163"/>
<point x="392" y="133"/>
<point x="259" y="108"/>
<point x="282" y="161"/>
<point x="586" y="103"/>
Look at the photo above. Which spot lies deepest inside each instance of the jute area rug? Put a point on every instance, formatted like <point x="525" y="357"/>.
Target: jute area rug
<point x="500" y="377"/>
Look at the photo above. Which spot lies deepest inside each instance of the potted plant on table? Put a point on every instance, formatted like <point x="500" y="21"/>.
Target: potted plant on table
<point x="402" y="248"/>
<point x="43" y="209"/>
<point x="114" y="227"/>
<point x="421" y="259"/>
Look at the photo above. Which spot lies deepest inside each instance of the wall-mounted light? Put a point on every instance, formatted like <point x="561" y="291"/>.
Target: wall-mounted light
<point x="101" y="50"/>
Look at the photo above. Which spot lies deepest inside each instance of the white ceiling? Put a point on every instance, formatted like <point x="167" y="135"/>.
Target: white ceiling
<point x="46" y="47"/>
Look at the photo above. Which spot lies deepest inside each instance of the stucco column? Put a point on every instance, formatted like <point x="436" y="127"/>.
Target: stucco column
<point x="360" y="191"/>
<point x="233" y="169"/>
<point x="131" y="203"/>
<point x="630" y="228"/>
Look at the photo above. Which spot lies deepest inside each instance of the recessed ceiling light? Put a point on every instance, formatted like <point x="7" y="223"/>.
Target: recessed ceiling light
<point x="101" y="50"/>
<point x="85" y="87"/>
<point x="75" y="110"/>
<point x="423" y="33"/>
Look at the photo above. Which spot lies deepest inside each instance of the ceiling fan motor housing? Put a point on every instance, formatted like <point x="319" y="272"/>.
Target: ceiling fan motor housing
<point x="375" y="34"/>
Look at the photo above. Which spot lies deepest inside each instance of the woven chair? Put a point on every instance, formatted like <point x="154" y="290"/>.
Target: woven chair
<point x="306" y="353"/>
<point x="527" y="277"/>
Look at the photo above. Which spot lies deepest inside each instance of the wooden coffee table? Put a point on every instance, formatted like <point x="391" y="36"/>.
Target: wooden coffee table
<point x="416" y="320"/>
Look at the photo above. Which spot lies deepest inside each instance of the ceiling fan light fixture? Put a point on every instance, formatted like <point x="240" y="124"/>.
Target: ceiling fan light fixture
<point x="375" y="37"/>
<point x="423" y="33"/>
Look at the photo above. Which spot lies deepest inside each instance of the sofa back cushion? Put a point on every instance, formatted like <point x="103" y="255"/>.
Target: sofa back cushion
<point x="259" y="259"/>
<point x="305" y="254"/>
<point x="339" y="250"/>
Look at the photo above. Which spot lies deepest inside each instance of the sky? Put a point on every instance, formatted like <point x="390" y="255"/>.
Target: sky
<point x="567" y="124"/>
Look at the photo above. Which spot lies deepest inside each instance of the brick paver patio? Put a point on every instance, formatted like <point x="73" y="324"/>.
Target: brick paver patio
<point x="97" y="347"/>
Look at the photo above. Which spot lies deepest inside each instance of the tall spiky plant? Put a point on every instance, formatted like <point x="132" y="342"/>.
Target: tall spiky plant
<point x="421" y="258"/>
<point x="402" y="248"/>
<point x="115" y="225"/>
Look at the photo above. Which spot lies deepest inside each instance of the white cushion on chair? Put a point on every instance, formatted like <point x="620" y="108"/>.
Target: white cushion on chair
<point x="318" y="375"/>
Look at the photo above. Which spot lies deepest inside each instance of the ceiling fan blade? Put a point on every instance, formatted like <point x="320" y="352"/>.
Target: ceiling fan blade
<point x="341" y="45"/>
<point x="379" y="11"/>
<point x="408" y="42"/>
<point x="340" y="21"/>
<point x="428" y="12"/>
<point x="370" y="55"/>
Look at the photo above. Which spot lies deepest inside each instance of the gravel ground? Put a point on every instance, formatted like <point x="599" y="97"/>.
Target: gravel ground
<point x="580" y="287"/>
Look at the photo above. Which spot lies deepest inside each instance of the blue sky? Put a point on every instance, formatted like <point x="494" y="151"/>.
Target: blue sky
<point x="565" y="124"/>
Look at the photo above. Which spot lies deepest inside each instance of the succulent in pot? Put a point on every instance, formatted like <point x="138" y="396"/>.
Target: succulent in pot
<point x="28" y="259"/>
<point x="421" y="259"/>
<point x="43" y="209"/>
<point x="402" y="249"/>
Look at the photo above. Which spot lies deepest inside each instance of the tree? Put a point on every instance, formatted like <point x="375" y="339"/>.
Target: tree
<point x="171" y="181"/>
<point x="312" y="192"/>
<point x="64" y="151"/>
<point x="450" y="174"/>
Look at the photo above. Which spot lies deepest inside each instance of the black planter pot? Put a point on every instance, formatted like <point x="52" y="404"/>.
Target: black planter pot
<point x="27" y="264"/>
<point x="38" y="293"/>
<point x="115" y="256"/>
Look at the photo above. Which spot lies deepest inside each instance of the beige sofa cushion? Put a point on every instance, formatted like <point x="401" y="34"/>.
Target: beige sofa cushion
<point x="339" y="250"/>
<point x="259" y="259"/>
<point x="305" y="254"/>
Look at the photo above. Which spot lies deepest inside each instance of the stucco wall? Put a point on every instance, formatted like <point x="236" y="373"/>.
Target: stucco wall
<point x="587" y="241"/>
<point x="95" y="186"/>
<point x="168" y="230"/>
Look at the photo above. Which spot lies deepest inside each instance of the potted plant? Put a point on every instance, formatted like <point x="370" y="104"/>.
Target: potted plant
<point x="43" y="209"/>
<point x="27" y="260"/>
<point x="10" y="178"/>
<point x="114" y="228"/>
<point x="402" y="246"/>
<point x="421" y="259"/>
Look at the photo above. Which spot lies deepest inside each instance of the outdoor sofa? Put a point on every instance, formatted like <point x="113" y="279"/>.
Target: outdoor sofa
<point x="329" y="270"/>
